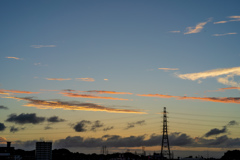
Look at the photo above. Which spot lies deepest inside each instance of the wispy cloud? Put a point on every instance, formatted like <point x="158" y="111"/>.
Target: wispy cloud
<point x="67" y="94"/>
<point x="227" y="80"/>
<point x="58" y="79"/>
<point x="169" y="69"/>
<point x="17" y="91"/>
<point x="40" y="64"/>
<point x="86" y="79"/>
<point x="42" y="46"/>
<point x="44" y="104"/>
<point x="14" y="58"/>
<point x="197" y="28"/>
<point x="210" y="73"/>
<point x="234" y="18"/>
<point x="223" y="89"/>
<point x="224" y="34"/>
<point x="174" y="31"/>
<point x="105" y="79"/>
<point x="220" y="22"/>
<point x="209" y="99"/>
<point x="133" y="124"/>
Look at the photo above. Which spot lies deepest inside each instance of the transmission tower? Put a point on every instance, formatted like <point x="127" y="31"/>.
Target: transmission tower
<point x="104" y="150"/>
<point x="165" y="149"/>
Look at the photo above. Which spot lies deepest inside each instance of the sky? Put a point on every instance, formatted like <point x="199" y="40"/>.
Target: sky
<point x="86" y="74"/>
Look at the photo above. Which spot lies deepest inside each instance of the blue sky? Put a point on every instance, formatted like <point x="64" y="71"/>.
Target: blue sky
<point x="70" y="66"/>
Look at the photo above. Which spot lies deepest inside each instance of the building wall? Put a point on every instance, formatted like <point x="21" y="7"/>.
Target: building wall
<point x="43" y="151"/>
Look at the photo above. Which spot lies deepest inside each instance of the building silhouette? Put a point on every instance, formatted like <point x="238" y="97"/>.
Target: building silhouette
<point x="43" y="151"/>
<point x="8" y="152"/>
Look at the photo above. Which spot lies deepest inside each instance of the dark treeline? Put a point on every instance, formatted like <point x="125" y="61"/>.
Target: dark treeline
<point x="64" y="154"/>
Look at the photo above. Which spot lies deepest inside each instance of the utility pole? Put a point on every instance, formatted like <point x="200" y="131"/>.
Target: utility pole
<point x="165" y="149"/>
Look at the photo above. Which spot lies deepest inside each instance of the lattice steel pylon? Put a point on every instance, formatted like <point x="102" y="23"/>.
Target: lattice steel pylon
<point x="165" y="149"/>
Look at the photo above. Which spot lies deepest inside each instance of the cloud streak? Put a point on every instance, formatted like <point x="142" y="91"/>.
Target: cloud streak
<point x="197" y="28"/>
<point x="209" y="99"/>
<point x="58" y="79"/>
<point x="223" y="89"/>
<point x="210" y="73"/>
<point x="86" y="79"/>
<point x="169" y="69"/>
<point x="106" y="92"/>
<point x="13" y="58"/>
<point x="217" y="35"/>
<point x="67" y="94"/>
<point x="43" y="104"/>
<point x="220" y="22"/>
<point x="42" y="46"/>
<point x="17" y="91"/>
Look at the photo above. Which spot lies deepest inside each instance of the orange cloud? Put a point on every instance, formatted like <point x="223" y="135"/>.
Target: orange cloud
<point x="42" y="104"/>
<point x="169" y="69"/>
<point x="67" y="94"/>
<point x="86" y="79"/>
<point x="106" y="92"/>
<point x="13" y="58"/>
<point x="222" y="89"/>
<point x="58" y="79"/>
<point x="48" y="90"/>
<point x="197" y="28"/>
<point x="212" y="99"/>
<point x="17" y="91"/>
<point x="2" y="92"/>
<point x="156" y="95"/>
<point x="234" y="18"/>
<point x="219" y="22"/>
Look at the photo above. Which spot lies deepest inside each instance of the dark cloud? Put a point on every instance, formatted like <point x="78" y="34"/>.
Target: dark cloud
<point x="96" y="124"/>
<point x="216" y="131"/>
<point x="25" y="118"/>
<point x="48" y="127"/>
<point x="175" y="139"/>
<point x="133" y="124"/>
<point x="81" y="126"/>
<point x="2" y="127"/>
<point x="180" y="139"/>
<point x="3" y="107"/>
<point x="55" y="119"/>
<point x="14" y="129"/>
<point x="85" y="125"/>
<point x="108" y="128"/>
<point x="232" y="123"/>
